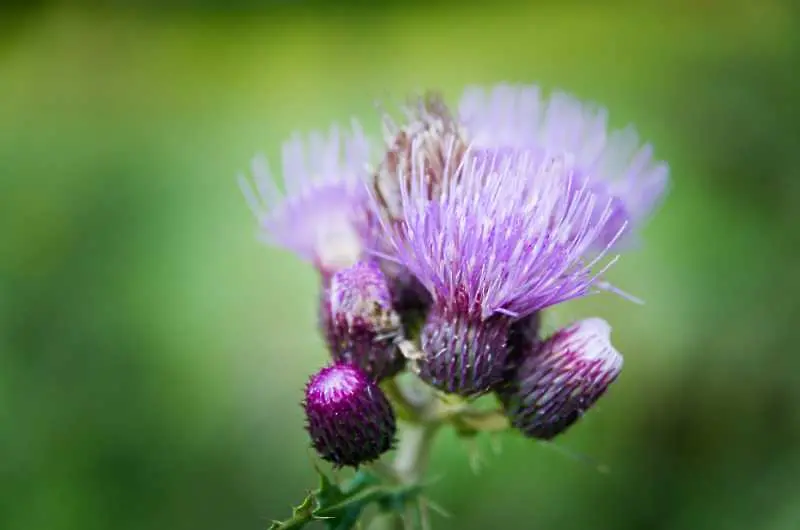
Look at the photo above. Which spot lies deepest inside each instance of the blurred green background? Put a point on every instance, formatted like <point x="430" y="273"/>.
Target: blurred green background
<point x="153" y="354"/>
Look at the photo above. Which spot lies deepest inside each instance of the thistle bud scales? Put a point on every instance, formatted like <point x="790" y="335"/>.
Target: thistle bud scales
<point x="465" y="356"/>
<point x="359" y="323"/>
<point x="557" y="382"/>
<point x="349" y="418"/>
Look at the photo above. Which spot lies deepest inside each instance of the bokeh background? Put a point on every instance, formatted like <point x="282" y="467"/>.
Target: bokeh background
<point x="153" y="354"/>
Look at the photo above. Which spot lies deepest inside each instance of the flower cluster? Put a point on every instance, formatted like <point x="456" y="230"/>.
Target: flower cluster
<point x="454" y="234"/>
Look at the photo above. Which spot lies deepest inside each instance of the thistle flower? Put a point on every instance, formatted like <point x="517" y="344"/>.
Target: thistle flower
<point x="613" y="163"/>
<point x="321" y="214"/>
<point x="359" y="323"/>
<point x="438" y="148"/>
<point x="503" y="241"/>
<point x="349" y="418"/>
<point x="560" y="379"/>
<point x="432" y="128"/>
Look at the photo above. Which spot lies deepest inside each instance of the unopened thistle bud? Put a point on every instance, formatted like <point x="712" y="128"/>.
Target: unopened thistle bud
<point x="321" y="212"/>
<point x="558" y="381"/>
<point x="503" y="241"/>
<point x="612" y="163"/>
<point x="349" y="418"/>
<point x="359" y="323"/>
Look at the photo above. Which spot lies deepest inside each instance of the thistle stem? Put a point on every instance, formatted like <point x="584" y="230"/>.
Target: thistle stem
<point x="423" y="412"/>
<point x="408" y="467"/>
<point x="414" y="450"/>
<point x="422" y="419"/>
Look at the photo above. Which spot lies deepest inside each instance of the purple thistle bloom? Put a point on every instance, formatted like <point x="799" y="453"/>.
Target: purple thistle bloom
<point x="561" y="378"/>
<point x="359" y="323"/>
<point x="320" y="215"/>
<point x="614" y="163"/>
<point x="349" y="418"/>
<point x="506" y="239"/>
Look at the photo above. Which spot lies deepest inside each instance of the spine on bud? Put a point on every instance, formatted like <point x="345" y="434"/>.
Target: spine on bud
<point x="557" y="381"/>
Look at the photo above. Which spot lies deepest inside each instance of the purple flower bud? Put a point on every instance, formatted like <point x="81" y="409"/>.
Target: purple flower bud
<point x="612" y="163"/>
<point x="465" y="355"/>
<point x="505" y="240"/>
<point x="359" y="323"/>
<point x="350" y="420"/>
<point x="556" y="383"/>
<point x="321" y="215"/>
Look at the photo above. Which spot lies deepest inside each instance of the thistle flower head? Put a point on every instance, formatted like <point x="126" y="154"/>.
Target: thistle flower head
<point x="432" y="137"/>
<point x="614" y="164"/>
<point x="430" y="126"/>
<point x="349" y="419"/>
<point x="320" y="214"/>
<point x="504" y="240"/>
<point x="508" y="237"/>
<point x="560" y="379"/>
<point x="359" y="322"/>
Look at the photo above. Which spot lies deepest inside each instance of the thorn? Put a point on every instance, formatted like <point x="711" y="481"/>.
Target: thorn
<point x="475" y="460"/>
<point x="430" y="481"/>
<point x="496" y="443"/>
<point x="436" y="507"/>
<point x="582" y="458"/>
<point x="606" y="286"/>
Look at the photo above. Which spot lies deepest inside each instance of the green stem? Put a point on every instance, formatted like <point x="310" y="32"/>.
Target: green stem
<point x="413" y="451"/>
<point x="423" y="417"/>
<point x="408" y="467"/>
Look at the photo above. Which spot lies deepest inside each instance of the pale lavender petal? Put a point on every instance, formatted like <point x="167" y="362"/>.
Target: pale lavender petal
<point x="509" y="236"/>
<point x="615" y="164"/>
<point x="319" y="215"/>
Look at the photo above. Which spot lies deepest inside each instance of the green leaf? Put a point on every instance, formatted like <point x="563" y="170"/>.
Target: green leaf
<point x="340" y="507"/>
<point x="305" y="508"/>
<point x="334" y="506"/>
<point x="328" y="493"/>
<point x="302" y="514"/>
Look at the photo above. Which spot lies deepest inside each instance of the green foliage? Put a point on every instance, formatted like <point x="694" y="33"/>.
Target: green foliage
<point x="340" y="507"/>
